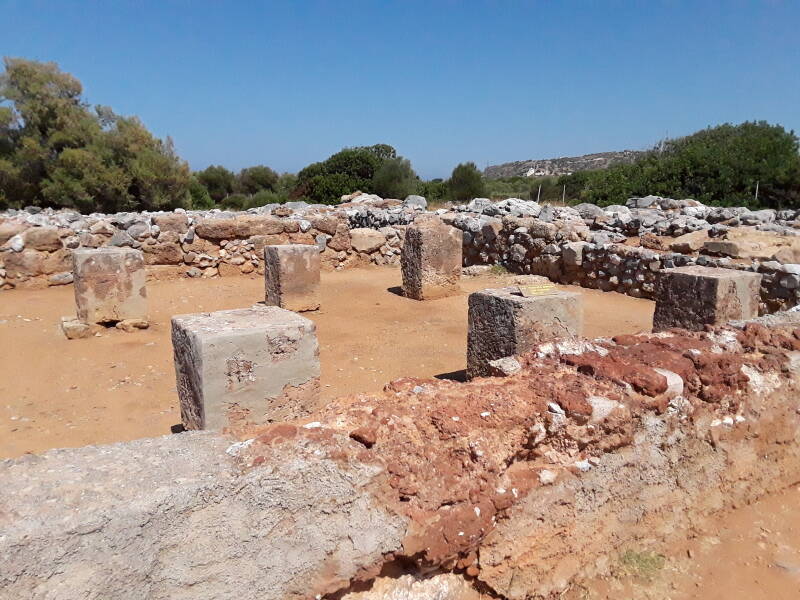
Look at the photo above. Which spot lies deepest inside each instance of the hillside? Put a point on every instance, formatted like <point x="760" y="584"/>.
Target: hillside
<point x="561" y="166"/>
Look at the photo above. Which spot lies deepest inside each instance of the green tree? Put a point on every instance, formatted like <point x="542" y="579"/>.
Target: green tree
<point x="394" y="179"/>
<point x="342" y="173"/>
<point x="466" y="183"/>
<point x="200" y="198"/>
<point x="218" y="181"/>
<point x="56" y="151"/>
<point x="254" y="179"/>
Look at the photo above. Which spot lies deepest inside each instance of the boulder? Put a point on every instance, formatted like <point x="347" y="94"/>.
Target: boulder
<point x="43" y="238"/>
<point x="366" y="240"/>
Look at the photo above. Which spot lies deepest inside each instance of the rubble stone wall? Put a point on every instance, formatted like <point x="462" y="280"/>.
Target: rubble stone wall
<point x="584" y="245"/>
<point x="518" y="485"/>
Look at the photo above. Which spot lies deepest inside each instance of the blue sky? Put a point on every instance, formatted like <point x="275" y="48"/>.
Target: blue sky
<point x="289" y="83"/>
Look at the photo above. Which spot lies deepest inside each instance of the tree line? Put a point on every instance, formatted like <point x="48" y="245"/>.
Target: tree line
<point x="56" y="150"/>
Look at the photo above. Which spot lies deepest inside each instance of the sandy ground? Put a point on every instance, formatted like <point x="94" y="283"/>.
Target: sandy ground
<point x="751" y="553"/>
<point x="58" y="393"/>
<point x="121" y="386"/>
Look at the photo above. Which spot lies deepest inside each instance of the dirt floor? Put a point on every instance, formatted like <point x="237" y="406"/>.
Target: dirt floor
<point x="119" y="386"/>
<point x="750" y="553"/>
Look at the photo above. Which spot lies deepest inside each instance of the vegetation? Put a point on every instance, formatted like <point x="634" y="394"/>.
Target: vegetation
<point x="56" y="151"/>
<point x="642" y="565"/>
<point x="466" y="183"/>
<point x="721" y="165"/>
<point x="395" y="179"/>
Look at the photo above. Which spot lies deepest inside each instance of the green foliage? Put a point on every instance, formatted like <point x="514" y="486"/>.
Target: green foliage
<point x="466" y="183"/>
<point x="342" y="173"/>
<point x="218" y="181"/>
<point x="255" y="179"/>
<point x="235" y="202"/>
<point x="286" y="183"/>
<point x="719" y="165"/>
<point x="201" y="200"/>
<point x="56" y="151"/>
<point x="266" y="197"/>
<point x="508" y="187"/>
<point x="434" y="191"/>
<point x="395" y="179"/>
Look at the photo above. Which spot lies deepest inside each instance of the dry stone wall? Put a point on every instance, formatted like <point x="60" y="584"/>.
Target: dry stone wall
<point x="584" y="245"/>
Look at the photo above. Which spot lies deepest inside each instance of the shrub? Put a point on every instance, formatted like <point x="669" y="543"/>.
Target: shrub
<point x="218" y="181"/>
<point x="255" y="179"/>
<point x="466" y="183"/>
<point x="394" y="179"/>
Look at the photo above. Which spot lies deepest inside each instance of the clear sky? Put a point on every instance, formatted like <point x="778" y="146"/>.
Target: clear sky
<point x="289" y="83"/>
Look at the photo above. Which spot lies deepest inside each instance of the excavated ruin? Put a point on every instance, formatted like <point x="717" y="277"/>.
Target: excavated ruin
<point x="513" y="486"/>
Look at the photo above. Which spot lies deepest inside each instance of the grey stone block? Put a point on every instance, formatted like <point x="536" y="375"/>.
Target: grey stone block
<point x="189" y="516"/>
<point x="245" y="366"/>
<point x="291" y="276"/>
<point x="109" y="284"/>
<point x="504" y="323"/>
<point x="431" y="260"/>
<point x="692" y="297"/>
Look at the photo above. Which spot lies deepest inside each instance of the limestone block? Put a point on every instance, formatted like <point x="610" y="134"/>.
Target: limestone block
<point x="245" y="366"/>
<point x="431" y="260"/>
<point x="366" y="240"/>
<point x="503" y="323"/>
<point x="291" y="276"/>
<point x="181" y="516"/>
<point x="109" y="284"/>
<point x="692" y="297"/>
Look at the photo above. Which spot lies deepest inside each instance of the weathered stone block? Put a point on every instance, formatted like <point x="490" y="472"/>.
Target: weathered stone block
<point x="431" y="260"/>
<point x="503" y="323"/>
<point x="109" y="284"/>
<point x="291" y="276"/>
<point x="245" y="366"/>
<point x="692" y="297"/>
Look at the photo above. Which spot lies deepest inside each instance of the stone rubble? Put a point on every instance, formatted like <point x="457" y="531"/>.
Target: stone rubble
<point x="584" y="245"/>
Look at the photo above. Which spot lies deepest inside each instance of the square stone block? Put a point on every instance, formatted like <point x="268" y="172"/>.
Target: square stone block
<point x="431" y="260"/>
<point x="109" y="285"/>
<point x="503" y="323"/>
<point x="245" y="366"/>
<point x="291" y="276"/>
<point x="692" y="297"/>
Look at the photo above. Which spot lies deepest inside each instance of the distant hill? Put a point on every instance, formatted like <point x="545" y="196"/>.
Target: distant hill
<point x="561" y="166"/>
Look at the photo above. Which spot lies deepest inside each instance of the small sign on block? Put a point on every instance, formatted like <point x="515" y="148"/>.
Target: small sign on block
<point x="542" y="289"/>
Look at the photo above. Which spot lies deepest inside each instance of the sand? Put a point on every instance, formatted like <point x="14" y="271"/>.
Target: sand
<point x="121" y="386"/>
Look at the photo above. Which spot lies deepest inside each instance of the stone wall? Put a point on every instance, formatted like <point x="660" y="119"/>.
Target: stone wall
<point x="36" y="249"/>
<point x="584" y="245"/>
<point x="519" y="486"/>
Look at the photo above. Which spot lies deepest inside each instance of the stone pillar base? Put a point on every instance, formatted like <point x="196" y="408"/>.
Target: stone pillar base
<point x="245" y="366"/>
<point x="503" y="322"/>
<point x="693" y="297"/>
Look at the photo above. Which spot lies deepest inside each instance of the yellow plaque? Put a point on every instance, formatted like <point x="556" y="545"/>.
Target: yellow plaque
<point x="542" y="289"/>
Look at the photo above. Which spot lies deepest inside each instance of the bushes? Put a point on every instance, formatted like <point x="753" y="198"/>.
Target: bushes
<point x="466" y="183"/>
<point x="349" y="170"/>
<point x="719" y="165"/>
<point x="217" y="180"/>
<point x="434" y="191"/>
<point x="395" y="179"/>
